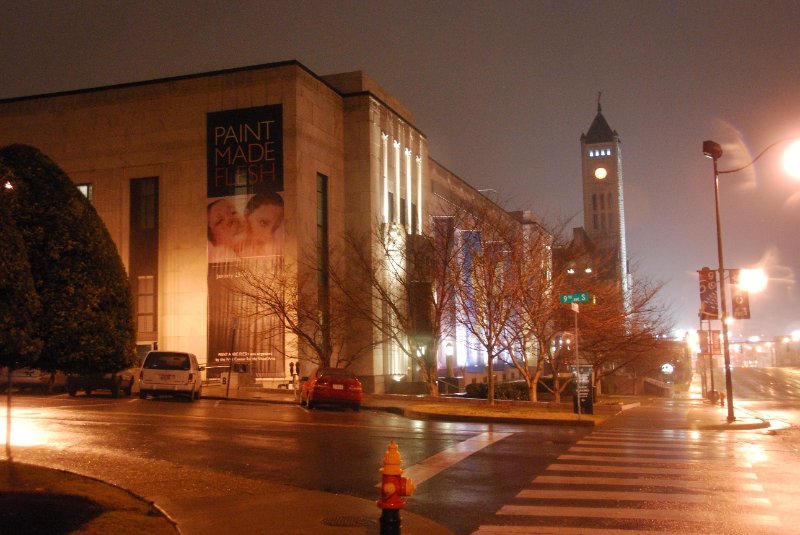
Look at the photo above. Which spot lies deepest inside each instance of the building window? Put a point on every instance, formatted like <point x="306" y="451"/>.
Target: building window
<point x="391" y="207"/>
<point x="86" y="190"/>
<point x="323" y="293"/>
<point x="143" y="256"/>
<point x="414" y="228"/>
<point x="145" y="305"/>
<point x="403" y="212"/>
<point x="597" y="153"/>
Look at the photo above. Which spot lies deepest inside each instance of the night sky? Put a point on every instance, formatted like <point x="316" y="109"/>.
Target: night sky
<point x="503" y="90"/>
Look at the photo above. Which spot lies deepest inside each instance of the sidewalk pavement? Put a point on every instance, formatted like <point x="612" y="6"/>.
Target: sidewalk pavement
<point x="272" y="508"/>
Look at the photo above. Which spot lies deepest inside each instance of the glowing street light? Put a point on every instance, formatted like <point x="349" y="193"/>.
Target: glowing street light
<point x="791" y="160"/>
<point x="753" y="280"/>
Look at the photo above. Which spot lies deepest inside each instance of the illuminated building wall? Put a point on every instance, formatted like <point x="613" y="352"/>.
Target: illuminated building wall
<point x="185" y="143"/>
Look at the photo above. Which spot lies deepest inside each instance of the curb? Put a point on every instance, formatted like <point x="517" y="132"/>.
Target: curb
<point x="411" y="413"/>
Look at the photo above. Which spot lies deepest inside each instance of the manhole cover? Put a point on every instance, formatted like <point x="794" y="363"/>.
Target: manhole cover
<point x="349" y="521"/>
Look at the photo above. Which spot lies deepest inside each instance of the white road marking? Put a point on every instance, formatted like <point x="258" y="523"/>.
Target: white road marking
<point x="641" y="514"/>
<point x="431" y="466"/>
<point x="639" y="496"/>
<point x="601" y="458"/>
<point x="645" y="482"/>
<point x="552" y="530"/>
<point x="721" y="473"/>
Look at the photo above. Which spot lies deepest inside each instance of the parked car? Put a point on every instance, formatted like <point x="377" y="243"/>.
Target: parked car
<point x="31" y="379"/>
<point x="335" y="386"/>
<point x="170" y="373"/>
<point x="114" y="382"/>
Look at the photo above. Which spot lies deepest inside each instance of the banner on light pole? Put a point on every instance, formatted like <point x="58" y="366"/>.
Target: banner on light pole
<point x="709" y="302"/>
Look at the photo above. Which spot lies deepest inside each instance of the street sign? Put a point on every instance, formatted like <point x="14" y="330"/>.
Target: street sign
<point x="582" y="297"/>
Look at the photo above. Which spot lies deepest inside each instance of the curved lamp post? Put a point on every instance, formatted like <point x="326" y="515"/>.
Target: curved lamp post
<point x="713" y="150"/>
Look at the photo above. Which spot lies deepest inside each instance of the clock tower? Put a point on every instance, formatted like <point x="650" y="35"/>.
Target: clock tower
<point x="603" y="206"/>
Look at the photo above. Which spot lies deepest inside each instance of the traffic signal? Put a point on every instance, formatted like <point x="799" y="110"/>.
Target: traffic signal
<point x="740" y="299"/>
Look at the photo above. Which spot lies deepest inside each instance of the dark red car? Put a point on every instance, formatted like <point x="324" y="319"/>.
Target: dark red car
<point x="335" y="386"/>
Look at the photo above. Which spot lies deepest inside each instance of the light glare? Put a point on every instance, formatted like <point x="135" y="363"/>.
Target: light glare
<point x="753" y="280"/>
<point x="791" y="160"/>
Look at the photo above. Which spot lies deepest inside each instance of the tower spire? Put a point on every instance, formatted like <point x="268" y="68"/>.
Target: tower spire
<point x="599" y="108"/>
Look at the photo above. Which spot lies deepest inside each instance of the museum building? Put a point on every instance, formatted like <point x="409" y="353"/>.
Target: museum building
<point x="263" y="164"/>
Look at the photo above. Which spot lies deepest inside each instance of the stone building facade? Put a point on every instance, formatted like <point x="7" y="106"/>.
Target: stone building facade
<point x="172" y="164"/>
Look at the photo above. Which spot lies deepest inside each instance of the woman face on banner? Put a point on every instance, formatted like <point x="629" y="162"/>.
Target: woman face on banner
<point x="225" y="225"/>
<point x="264" y="215"/>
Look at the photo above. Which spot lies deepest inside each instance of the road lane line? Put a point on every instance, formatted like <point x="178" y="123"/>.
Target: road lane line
<point x="431" y="466"/>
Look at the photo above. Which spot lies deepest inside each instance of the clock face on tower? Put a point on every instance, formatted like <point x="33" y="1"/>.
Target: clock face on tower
<point x="600" y="173"/>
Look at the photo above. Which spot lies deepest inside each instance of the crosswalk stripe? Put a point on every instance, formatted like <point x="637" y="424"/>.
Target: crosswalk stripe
<point x="638" y="496"/>
<point x="658" y="444"/>
<point x="552" y="530"/>
<point x="612" y="495"/>
<point x="734" y="464"/>
<point x="645" y="482"/>
<point x="431" y="466"/>
<point x="722" y="472"/>
<point x="636" y="450"/>
<point x="638" y="514"/>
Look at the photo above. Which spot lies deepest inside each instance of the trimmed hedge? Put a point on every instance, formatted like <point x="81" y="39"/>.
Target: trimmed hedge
<point x="517" y="390"/>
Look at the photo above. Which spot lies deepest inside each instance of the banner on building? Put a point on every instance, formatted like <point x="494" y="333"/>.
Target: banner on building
<point x="245" y="219"/>
<point x="709" y="308"/>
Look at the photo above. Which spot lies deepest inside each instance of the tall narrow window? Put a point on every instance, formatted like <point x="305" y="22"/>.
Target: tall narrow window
<point x="323" y="290"/>
<point x="143" y="257"/>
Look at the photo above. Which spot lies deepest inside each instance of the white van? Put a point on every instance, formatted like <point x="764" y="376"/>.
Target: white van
<point x="170" y="373"/>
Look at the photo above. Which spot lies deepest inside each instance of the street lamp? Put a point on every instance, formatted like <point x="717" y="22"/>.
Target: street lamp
<point x="713" y="150"/>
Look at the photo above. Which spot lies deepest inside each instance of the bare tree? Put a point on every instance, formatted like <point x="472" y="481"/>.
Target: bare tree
<point x="617" y="330"/>
<point x="528" y="339"/>
<point x="404" y="289"/>
<point x="317" y="321"/>
<point x="486" y="283"/>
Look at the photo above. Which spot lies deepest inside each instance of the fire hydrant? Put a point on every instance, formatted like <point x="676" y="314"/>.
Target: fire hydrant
<point x="722" y="398"/>
<point x="394" y="489"/>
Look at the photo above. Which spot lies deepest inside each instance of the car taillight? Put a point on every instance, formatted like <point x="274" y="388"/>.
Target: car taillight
<point x="191" y="375"/>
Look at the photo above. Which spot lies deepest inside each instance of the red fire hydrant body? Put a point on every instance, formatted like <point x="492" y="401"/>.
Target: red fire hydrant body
<point x="394" y="490"/>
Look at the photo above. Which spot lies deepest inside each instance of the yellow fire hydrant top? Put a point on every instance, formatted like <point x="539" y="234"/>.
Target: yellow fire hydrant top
<point x="392" y="461"/>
